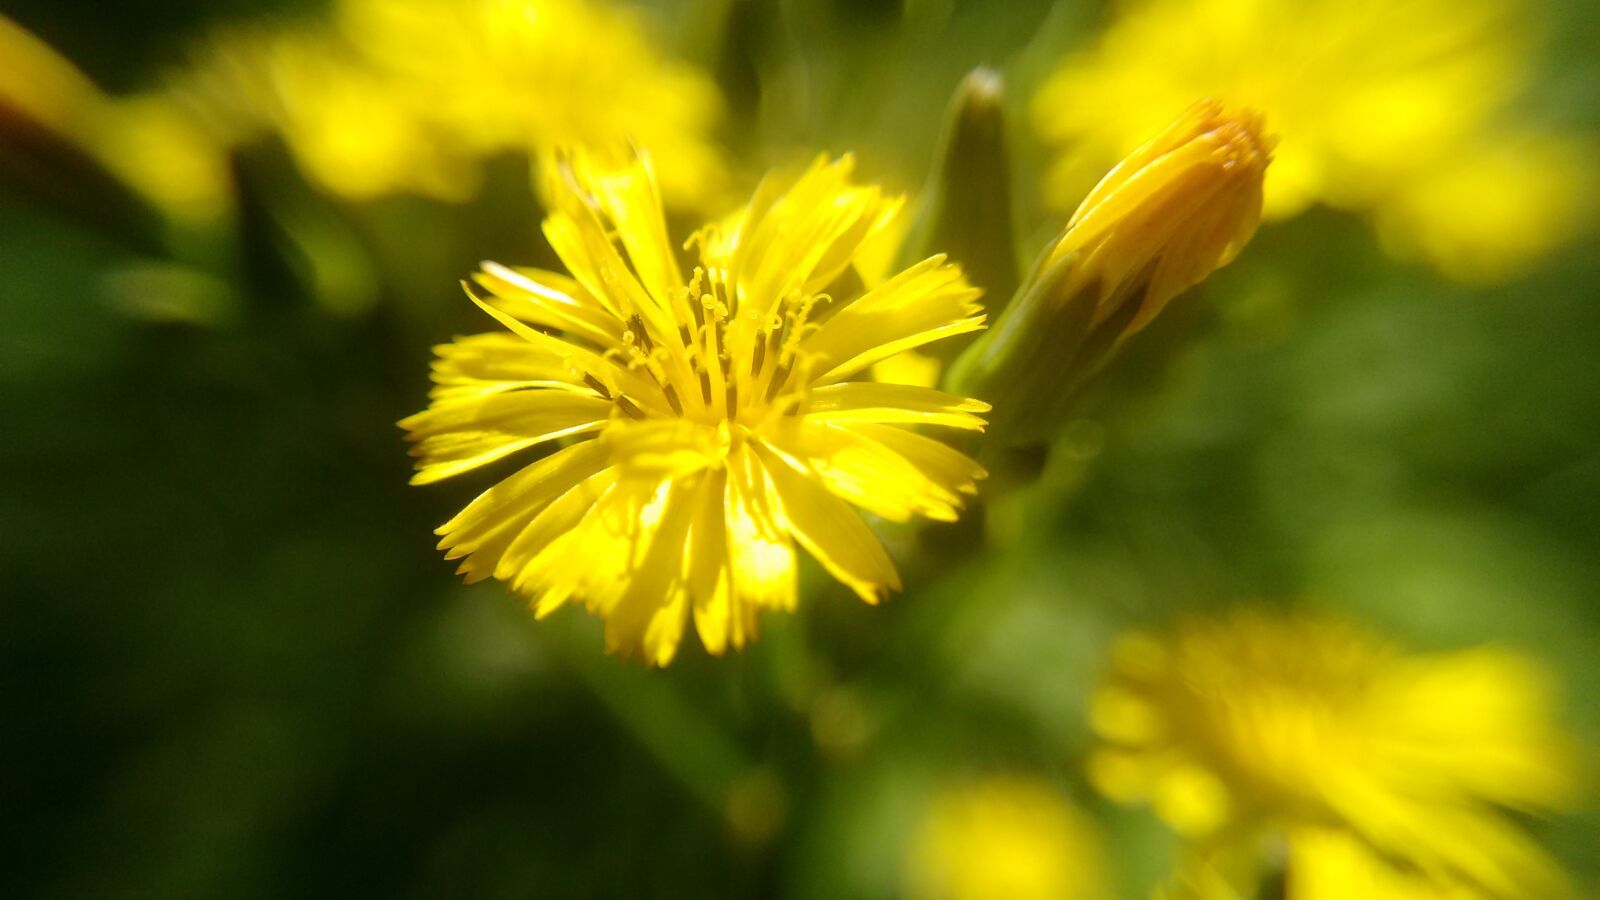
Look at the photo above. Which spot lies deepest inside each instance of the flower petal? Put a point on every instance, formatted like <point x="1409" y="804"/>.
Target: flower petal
<point x="806" y="236"/>
<point x="893" y="404"/>
<point x="485" y="529"/>
<point x="831" y="531"/>
<point x="457" y="437"/>
<point x="710" y="582"/>
<point x="474" y="367"/>
<point x="558" y="521"/>
<point x="929" y="301"/>
<point x="760" y="553"/>
<point x="526" y="297"/>
<point x="589" y="558"/>
<point x="627" y="196"/>
<point x="945" y="466"/>
<point x="865" y="472"/>
<point x="649" y="617"/>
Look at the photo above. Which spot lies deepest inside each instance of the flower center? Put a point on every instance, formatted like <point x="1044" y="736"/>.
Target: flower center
<point x="726" y="363"/>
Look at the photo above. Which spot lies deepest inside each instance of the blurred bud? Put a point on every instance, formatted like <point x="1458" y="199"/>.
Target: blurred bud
<point x="841" y="722"/>
<point x="171" y="293"/>
<point x="756" y="808"/>
<point x="1169" y="215"/>
<point x="965" y="208"/>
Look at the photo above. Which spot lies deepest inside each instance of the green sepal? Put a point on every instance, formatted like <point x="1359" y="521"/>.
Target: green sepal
<point x="964" y="210"/>
<point x="1024" y="361"/>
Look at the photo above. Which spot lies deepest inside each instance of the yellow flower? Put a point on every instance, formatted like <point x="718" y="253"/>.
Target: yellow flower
<point x="1369" y="97"/>
<point x="1260" y="722"/>
<point x="535" y="75"/>
<point x="711" y="421"/>
<point x="146" y="141"/>
<point x="1007" y="837"/>
<point x="155" y="147"/>
<point x="36" y="82"/>
<point x="1175" y="210"/>
<point x="347" y="126"/>
<point x="1334" y="865"/>
<point x="353" y="129"/>
<point x="1480" y="215"/>
<point x="399" y="96"/>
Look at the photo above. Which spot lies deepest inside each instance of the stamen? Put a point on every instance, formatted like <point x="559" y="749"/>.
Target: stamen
<point x="696" y="290"/>
<point x="761" y="353"/>
<point x="798" y="399"/>
<point x="778" y="378"/>
<point x="598" y="386"/>
<point x="629" y="407"/>
<point x="795" y="330"/>
<point x="636" y="326"/>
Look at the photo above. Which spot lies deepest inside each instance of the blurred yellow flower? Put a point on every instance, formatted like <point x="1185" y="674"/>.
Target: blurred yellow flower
<point x="1487" y="209"/>
<point x="1261" y="722"/>
<point x="715" y="420"/>
<point x="156" y="148"/>
<point x="1006" y="837"/>
<point x="1335" y="865"/>
<point x="1370" y="97"/>
<point x="355" y="130"/>
<point x="347" y="125"/>
<point x="146" y="141"/>
<point x="37" y="82"/>
<point x="394" y="96"/>
<point x="535" y="75"/>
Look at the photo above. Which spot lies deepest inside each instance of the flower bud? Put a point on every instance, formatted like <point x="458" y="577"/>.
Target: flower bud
<point x="965" y="207"/>
<point x="1174" y="211"/>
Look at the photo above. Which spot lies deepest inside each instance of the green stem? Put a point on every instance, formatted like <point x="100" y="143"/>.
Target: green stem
<point x="690" y="746"/>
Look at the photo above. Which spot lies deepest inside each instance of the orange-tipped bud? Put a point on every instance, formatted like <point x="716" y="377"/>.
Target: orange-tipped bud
<point x="1174" y="211"/>
<point x="1177" y="209"/>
